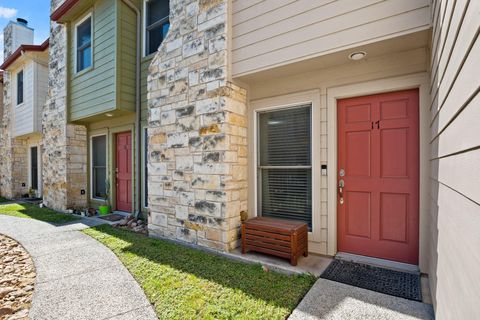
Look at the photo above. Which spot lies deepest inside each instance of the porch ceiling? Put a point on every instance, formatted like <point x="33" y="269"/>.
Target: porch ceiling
<point x="380" y="48"/>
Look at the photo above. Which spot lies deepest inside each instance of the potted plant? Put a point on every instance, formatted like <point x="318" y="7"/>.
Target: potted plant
<point x="32" y="193"/>
<point x="105" y="209"/>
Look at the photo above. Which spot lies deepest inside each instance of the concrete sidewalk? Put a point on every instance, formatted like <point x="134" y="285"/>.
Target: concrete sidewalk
<point x="77" y="277"/>
<point x="331" y="300"/>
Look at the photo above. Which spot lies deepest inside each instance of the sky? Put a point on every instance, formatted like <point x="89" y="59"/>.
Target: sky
<point x="37" y="12"/>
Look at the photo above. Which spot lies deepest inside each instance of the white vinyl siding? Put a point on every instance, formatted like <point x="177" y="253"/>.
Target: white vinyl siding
<point x="28" y="115"/>
<point x="270" y="33"/>
<point x="24" y="117"/>
<point x="454" y="219"/>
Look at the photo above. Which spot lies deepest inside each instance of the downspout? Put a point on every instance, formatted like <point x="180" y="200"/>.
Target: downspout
<point x="138" y="115"/>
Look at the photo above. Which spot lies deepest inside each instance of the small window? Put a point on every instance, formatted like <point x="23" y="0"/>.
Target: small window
<point x="34" y="168"/>
<point x="285" y="165"/>
<point x="20" y="87"/>
<point x="84" y="44"/>
<point x="145" y="164"/>
<point x="99" y="166"/>
<point x="157" y="24"/>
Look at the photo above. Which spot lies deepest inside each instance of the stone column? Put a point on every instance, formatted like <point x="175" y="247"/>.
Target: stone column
<point x="197" y="130"/>
<point x="13" y="151"/>
<point x="65" y="145"/>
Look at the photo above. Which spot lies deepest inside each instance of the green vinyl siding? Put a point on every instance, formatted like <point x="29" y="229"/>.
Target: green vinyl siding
<point x="127" y="57"/>
<point x="92" y="91"/>
<point x="109" y="86"/>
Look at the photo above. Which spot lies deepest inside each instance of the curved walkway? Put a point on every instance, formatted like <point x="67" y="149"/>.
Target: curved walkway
<point x="77" y="277"/>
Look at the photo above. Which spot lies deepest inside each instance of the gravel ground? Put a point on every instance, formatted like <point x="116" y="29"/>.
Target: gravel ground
<point x="17" y="279"/>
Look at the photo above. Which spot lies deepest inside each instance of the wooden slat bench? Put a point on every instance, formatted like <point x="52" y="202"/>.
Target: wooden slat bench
<point x="281" y="238"/>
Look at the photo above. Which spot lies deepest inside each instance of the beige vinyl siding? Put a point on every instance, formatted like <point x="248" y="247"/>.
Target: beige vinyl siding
<point x="41" y="89"/>
<point x="270" y="33"/>
<point x="127" y="57"/>
<point x="454" y="237"/>
<point x="92" y="91"/>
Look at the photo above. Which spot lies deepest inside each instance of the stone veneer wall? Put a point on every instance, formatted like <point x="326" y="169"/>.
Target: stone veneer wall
<point x="197" y="130"/>
<point x="65" y="145"/>
<point x="8" y="42"/>
<point x="5" y="142"/>
<point x="13" y="152"/>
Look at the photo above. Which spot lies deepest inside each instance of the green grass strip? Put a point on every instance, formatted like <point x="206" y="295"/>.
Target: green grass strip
<point x="186" y="283"/>
<point x="29" y="211"/>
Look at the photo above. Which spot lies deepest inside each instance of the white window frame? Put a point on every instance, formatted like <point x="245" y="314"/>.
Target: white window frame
<point x="75" y="41"/>
<point x="144" y="30"/>
<point x="16" y="87"/>
<point x="39" y="168"/>
<point x="91" y="164"/>
<point x="279" y="103"/>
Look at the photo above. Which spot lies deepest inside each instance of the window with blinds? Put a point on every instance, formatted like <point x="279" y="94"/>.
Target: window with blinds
<point x="99" y="167"/>
<point x="284" y="164"/>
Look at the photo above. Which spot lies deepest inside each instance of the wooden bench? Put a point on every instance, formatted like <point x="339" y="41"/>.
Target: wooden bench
<point x="282" y="238"/>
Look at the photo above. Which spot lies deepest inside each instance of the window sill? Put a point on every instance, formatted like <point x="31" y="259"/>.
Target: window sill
<point x="82" y="72"/>
<point x="149" y="56"/>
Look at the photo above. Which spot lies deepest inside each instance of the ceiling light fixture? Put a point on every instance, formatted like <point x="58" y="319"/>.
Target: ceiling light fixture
<point x="358" y="55"/>
<point x="108" y="114"/>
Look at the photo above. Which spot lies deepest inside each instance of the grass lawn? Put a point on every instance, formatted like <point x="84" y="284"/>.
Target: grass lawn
<point x="185" y="283"/>
<point x="23" y="210"/>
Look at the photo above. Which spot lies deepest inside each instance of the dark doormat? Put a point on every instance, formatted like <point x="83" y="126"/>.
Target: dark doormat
<point x="395" y="283"/>
<point x="112" y="217"/>
<point x="34" y="200"/>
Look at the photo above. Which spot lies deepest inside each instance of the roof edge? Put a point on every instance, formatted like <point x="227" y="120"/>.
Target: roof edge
<point x="23" y="48"/>
<point x="63" y="9"/>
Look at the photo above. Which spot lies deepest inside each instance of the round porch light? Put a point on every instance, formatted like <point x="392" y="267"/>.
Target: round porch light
<point x="358" y="55"/>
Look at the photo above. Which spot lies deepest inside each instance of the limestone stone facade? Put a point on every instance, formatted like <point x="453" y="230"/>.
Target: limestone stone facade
<point x="65" y="145"/>
<point x="8" y="41"/>
<point x="13" y="151"/>
<point x="197" y="121"/>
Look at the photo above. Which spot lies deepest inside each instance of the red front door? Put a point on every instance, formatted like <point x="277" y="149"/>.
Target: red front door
<point x="124" y="171"/>
<point x="378" y="166"/>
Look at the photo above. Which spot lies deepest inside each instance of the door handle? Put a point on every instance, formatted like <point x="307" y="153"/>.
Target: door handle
<point x="341" y="185"/>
